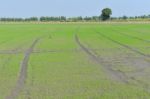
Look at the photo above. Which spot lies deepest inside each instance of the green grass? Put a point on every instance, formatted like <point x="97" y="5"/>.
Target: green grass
<point x="68" y="72"/>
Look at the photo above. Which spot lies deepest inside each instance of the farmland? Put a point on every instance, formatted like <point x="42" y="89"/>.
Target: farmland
<point x="74" y="61"/>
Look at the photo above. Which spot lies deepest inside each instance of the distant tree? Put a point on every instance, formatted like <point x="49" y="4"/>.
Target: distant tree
<point x="114" y="18"/>
<point x="131" y="17"/>
<point x="144" y="17"/>
<point x="42" y="18"/>
<point x="136" y="17"/>
<point x="79" y="18"/>
<point x="33" y="19"/>
<point x="63" y="18"/>
<point x="106" y="13"/>
<point x="87" y="18"/>
<point x="95" y="18"/>
<point x="124" y="17"/>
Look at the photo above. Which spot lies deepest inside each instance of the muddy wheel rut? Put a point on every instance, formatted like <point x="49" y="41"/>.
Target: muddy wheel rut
<point x="130" y="36"/>
<point x="125" y="46"/>
<point x="107" y="67"/>
<point x="23" y="73"/>
<point x="145" y="62"/>
<point x="117" y="75"/>
<point x="139" y="71"/>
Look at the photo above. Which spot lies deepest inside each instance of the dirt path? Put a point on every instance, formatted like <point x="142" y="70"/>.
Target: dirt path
<point x="23" y="73"/>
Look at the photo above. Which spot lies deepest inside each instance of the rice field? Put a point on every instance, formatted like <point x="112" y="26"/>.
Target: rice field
<point x="75" y="61"/>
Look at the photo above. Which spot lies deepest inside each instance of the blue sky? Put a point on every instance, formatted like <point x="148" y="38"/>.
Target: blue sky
<point x="69" y="8"/>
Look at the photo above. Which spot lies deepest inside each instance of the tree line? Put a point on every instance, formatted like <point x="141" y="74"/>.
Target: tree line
<point x="104" y="16"/>
<point x="48" y="19"/>
<point x="131" y="17"/>
<point x="72" y="19"/>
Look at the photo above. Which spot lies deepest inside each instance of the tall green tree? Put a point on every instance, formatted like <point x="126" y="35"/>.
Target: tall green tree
<point x="106" y="13"/>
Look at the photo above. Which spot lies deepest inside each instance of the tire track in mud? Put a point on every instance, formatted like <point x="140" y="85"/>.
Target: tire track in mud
<point x="114" y="74"/>
<point x="146" y="62"/>
<point x="3" y="42"/>
<point x="124" y="45"/>
<point x="23" y="72"/>
<point x="145" y="86"/>
<point x="142" y="62"/>
<point x="133" y="37"/>
<point x="118" y="75"/>
<point x="10" y="52"/>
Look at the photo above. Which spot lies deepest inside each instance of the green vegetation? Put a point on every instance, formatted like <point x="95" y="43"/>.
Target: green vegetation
<point x="106" y="14"/>
<point x="76" y="61"/>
